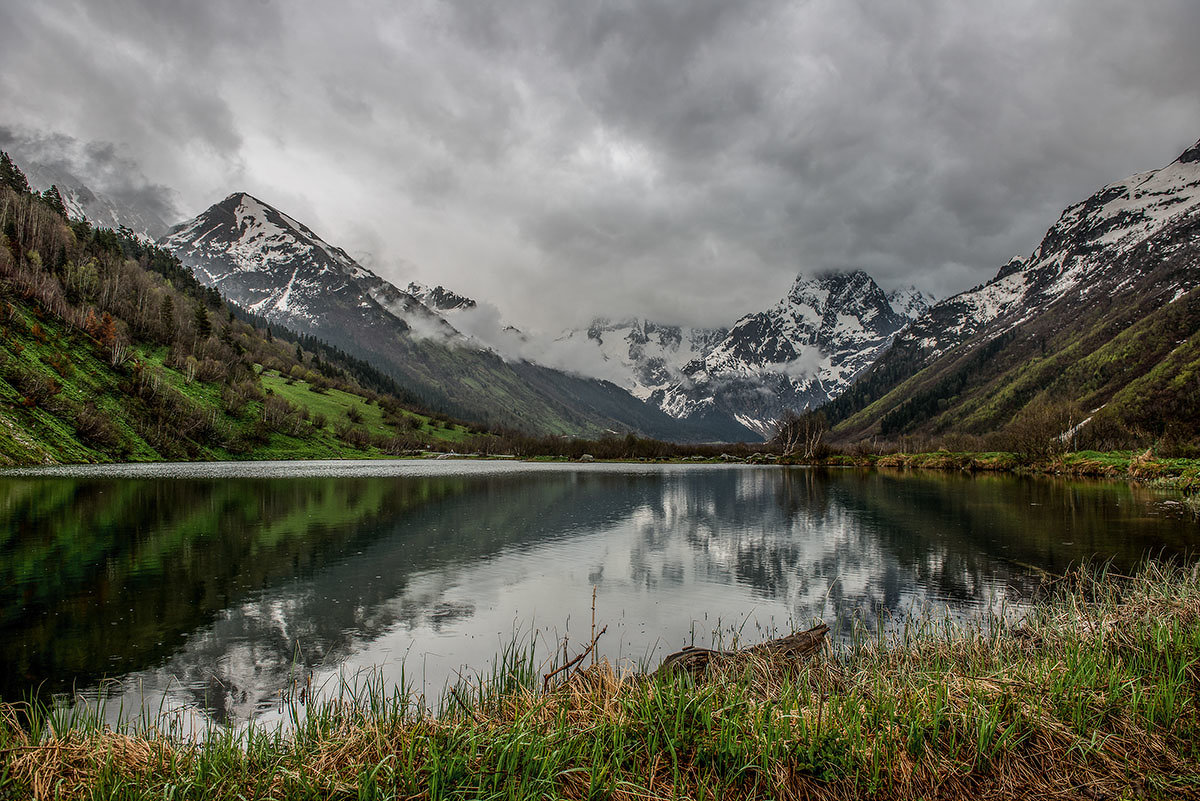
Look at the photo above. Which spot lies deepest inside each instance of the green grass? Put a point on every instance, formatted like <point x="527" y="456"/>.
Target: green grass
<point x="1170" y="472"/>
<point x="1092" y="694"/>
<point x="48" y="372"/>
<point x="336" y="404"/>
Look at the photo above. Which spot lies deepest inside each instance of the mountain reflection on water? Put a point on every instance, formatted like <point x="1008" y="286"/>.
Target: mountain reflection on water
<point x="216" y="591"/>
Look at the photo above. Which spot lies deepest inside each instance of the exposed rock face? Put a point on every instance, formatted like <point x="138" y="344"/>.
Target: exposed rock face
<point x="270" y="264"/>
<point x="796" y="355"/>
<point x="1077" y="256"/>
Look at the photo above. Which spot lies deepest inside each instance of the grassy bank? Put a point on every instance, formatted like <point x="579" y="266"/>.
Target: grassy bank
<point x="1093" y="695"/>
<point x="1178" y="473"/>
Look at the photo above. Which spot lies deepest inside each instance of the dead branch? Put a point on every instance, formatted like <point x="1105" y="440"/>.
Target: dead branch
<point x="797" y="646"/>
<point x="573" y="662"/>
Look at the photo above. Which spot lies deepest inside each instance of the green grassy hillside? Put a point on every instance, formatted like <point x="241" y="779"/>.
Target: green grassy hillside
<point x="62" y="401"/>
<point x="1115" y="371"/>
<point x="111" y="351"/>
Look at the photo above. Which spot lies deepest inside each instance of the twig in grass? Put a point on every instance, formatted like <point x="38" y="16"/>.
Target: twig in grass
<point x="573" y="662"/>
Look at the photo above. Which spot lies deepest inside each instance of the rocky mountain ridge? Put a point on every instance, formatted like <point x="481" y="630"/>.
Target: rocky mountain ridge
<point x="278" y="268"/>
<point x="1125" y="259"/>
<point x="101" y="210"/>
<point x="798" y="354"/>
<point x="439" y="298"/>
<point x="275" y="266"/>
<point x="1076" y="255"/>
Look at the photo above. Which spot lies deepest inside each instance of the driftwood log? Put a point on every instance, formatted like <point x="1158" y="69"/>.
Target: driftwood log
<point x="795" y="647"/>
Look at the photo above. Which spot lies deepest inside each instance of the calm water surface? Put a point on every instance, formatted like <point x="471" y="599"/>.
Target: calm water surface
<point x="208" y="588"/>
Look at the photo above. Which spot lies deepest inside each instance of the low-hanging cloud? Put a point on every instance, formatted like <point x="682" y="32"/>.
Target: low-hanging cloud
<point x="801" y="368"/>
<point x="102" y="167"/>
<point x="679" y="160"/>
<point x="572" y="352"/>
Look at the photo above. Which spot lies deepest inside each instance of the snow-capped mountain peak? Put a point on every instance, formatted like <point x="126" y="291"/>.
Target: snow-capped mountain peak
<point x="801" y="352"/>
<point x="797" y="354"/>
<point x="439" y="298"/>
<point x="910" y="302"/>
<point x="278" y="267"/>
<point x="646" y="357"/>
<point x="1074" y="258"/>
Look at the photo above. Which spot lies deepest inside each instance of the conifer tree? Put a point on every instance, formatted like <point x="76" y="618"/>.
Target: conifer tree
<point x="53" y="199"/>
<point x="166" y="316"/>
<point x="203" y="325"/>
<point x="11" y="175"/>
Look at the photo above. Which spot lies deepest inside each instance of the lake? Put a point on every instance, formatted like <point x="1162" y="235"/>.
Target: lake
<point x="212" y="588"/>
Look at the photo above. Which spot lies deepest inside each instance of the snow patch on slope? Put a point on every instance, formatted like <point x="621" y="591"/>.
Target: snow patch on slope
<point x="1073" y="257"/>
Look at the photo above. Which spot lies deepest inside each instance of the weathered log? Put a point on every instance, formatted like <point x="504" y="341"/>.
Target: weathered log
<point x="795" y="647"/>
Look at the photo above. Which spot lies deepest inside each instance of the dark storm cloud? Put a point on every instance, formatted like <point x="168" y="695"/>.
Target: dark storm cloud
<point x="676" y="158"/>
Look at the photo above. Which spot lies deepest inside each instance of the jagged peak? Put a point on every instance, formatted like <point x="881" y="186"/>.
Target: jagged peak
<point x="910" y="301"/>
<point x="439" y="298"/>
<point x="1192" y="154"/>
<point x="834" y="286"/>
<point x="235" y="200"/>
<point x="833" y="277"/>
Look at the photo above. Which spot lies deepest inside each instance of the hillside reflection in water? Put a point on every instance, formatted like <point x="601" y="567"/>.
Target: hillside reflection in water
<point x="213" y="589"/>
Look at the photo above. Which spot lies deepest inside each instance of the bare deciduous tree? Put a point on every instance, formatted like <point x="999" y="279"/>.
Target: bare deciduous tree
<point x="801" y="435"/>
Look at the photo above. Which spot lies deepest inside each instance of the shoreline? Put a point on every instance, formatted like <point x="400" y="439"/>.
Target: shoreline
<point x="1167" y="472"/>
<point x="1091" y="694"/>
<point x="1182" y="474"/>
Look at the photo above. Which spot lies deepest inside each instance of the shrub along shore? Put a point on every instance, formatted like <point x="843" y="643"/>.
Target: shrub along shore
<point x="1092" y="694"/>
<point x="1173" y="472"/>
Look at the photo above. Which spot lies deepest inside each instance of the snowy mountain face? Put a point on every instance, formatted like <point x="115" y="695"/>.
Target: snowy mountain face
<point x="268" y="263"/>
<point x="1076" y="258"/>
<point x="1102" y="315"/>
<point x="796" y="355"/>
<point x="439" y="298"/>
<point x="100" y="210"/>
<point x="276" y="267"/>
<point x="650" y="357"/>
<point x="910" y="302"/>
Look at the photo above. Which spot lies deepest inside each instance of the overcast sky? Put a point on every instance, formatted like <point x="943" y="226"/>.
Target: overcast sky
<point x="678" y="159"/>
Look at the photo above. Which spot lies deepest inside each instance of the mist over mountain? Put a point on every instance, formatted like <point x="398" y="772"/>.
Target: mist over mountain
<point x="795" y="355"/>
<point x="97" y="181"/>
<point x="269" y="263"/>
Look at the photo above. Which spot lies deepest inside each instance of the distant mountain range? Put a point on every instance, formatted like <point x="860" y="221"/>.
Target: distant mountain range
<point x="800" y="353"/>
<point x="682" y="382"/>
<point x="651" y="357"/>
<point x="1104" y="314"/>
<point x="718" y="383"/>
<point x="1100" y="315"/>
<point x="271" y="264"/>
